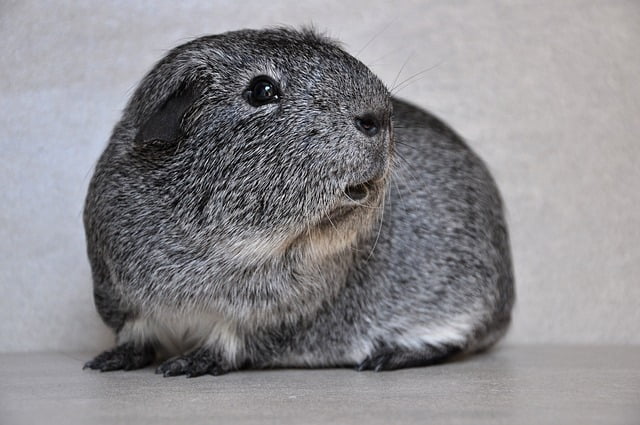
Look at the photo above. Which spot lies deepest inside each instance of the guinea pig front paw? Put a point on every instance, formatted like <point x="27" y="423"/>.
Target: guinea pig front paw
<point x="126" y="356"/>
<point x="200" y="362"/>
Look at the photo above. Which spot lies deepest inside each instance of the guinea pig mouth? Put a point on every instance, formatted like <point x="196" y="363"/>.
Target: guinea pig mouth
<point x="353" y="198"/>
<point x="359" y="192"/>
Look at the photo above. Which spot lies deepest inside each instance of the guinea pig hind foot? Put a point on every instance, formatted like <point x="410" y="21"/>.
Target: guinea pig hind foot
<point x="388" y="357"/>
<point x="127" y="356"/>
<point x="202" y="361"/>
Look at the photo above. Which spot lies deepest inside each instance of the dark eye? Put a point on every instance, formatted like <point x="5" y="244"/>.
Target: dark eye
<point x="262" y="90"/>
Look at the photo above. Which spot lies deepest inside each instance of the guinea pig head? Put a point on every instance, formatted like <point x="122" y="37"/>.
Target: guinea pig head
<point x="272" y="135"/>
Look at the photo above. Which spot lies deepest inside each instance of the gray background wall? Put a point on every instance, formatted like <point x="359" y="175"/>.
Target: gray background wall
<point x="546" y="91"/>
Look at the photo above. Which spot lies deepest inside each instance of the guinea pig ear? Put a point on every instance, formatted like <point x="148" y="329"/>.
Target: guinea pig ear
<point x="164" y="124"/>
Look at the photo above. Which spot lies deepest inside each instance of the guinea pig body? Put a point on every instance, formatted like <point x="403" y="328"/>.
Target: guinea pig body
<point x="265" y="202"/>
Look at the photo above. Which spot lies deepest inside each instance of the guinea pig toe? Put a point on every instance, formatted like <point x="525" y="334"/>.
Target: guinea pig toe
<point x="175" y="366"/>
<point x="123" y="357"/>
<point x="376" y="362"/>
<point x="200" y="362"/>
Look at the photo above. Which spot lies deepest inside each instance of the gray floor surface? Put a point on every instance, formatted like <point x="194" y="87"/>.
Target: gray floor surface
<point x="510" y="385"/>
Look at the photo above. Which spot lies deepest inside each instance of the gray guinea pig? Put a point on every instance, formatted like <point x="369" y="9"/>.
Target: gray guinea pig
<point x="265" y="202"/>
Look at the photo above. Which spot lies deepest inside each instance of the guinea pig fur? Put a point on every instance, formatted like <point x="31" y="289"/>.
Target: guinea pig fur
<point x="265" y="202"/>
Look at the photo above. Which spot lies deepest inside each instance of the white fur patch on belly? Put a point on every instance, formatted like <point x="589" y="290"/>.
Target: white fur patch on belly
<point x="178" y="333"/>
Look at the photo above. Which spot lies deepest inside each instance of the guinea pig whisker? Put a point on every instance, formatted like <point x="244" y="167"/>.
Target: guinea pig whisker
<point x="394" y="178"/>
<point x="408" y="166"/>
<point x="375" y="242"/>
<point x="358" y="203"/>
<point x="376" y="35"/>
<point x="412" y="79"/>
<point x="409" y="146"/>
<point x="404" y="64"/>
<point x="379" y="60"/>
<point x="363" y="205"/>
<point x="330" y="221"/>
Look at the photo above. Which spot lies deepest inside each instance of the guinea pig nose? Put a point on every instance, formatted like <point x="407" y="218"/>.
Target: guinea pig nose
<point x="368" y="124"/>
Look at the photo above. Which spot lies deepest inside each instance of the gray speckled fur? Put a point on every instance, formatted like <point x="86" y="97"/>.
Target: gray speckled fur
<point x="220" y="244"/>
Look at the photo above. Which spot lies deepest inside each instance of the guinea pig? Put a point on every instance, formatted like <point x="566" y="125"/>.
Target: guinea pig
<point x="265" y="202"/>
